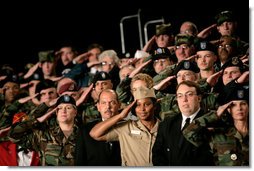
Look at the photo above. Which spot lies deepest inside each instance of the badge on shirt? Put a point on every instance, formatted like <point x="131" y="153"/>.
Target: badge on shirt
<point x="136" y="132"/>
<point x="233" y="156"/>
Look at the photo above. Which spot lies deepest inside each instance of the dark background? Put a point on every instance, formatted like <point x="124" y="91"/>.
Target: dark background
<point x="27" y="28"/>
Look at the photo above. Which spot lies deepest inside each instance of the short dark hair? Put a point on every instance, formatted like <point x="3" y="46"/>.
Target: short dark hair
<point x="190" y="84"/>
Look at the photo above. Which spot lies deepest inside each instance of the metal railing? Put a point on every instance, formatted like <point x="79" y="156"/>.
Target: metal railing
<point x="139" y="29"/>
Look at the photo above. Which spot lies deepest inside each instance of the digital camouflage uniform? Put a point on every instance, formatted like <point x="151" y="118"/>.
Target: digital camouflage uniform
<point x="229" y="147"/>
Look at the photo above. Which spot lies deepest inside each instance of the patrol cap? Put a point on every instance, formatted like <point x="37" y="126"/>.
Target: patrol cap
<point x="234" y="61"/>
<point x="162" y="53"/>
<point x="44" y="84"/>
<point x="205" y="45"/>
<point x="143" y="92"/>
<point x="100" y="76"/>
<point x="184" y="39"/>
<point x="46" y="56"/>
<point x="66" y="99"/>
<point x="68" y="87"/>
<point x="224" y="16"/>
<point x="187" y="65"/>
<point x="238" y="92"/>
<point x="164" y="29"/>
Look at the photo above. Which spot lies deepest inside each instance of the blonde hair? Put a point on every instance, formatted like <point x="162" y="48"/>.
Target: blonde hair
<point x="144" y="77"/>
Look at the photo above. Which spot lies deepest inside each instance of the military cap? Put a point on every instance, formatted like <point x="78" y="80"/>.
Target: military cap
<point x="66" y="99"/>
<point x="100" y="76"/>
<point x="44" y="84"/>
<point x="18" y="117"/>
<point x="10" y="78"/>
<point x="162" y="53"/>
<point x="224" y="16"/>
<point x="164" y="29"/>
<point x="187" y="65"/>
<point x="234" y="61"/>
<point x="143" y="92"/>
<point x="141" y="54"/>
<point x="46" y="56"/>
<point x="237" y="92"/>
<point x="205" y="45"/>
<point x="68" y="87"/>
<point x="184" y="39"/>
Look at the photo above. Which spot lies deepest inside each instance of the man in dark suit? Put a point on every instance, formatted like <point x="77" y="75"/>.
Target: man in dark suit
<point x="171" y="148"/>
<point x="90" y="152"/>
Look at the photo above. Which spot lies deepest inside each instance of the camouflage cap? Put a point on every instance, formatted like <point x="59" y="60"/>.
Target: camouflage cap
<point x="66" y="99"/>
<point x="187" y="65"/>
<point x="100" y="76"/>
<point x="143" y="92"/>
<point x="46" y="56"/>
<point x="205" y="45"/>
<point x="184" y="39"/>
<point x="164" y="29"/>
<point x="224" y="16"/>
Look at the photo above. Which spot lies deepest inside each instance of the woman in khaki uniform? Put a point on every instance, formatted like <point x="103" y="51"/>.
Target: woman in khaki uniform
<point x="137" y="137"/>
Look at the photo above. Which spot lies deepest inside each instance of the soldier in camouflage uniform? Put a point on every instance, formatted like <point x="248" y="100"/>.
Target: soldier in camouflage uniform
<point x="101" y="81"/>
<point x="228" y="133"/>
<point x="55" y="143"/>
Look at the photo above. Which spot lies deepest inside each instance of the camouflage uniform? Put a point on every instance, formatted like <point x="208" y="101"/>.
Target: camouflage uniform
<point x="48" y="139"/>
<point x="124" y="92"/>
<point x="229" y="147"/>
<point x="88" y="112"/>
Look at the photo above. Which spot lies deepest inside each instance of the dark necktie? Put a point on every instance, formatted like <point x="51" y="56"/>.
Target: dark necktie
<point x="187" y="122"/>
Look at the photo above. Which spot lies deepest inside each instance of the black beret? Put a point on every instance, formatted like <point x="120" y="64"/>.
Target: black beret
<point x="66" y="99"/>
<point x="237" y="92"/>
<point x="10" y="78"/>
<point x="100" y="76"/>
<point x="44" y="84"/>
<point x="224" y="16"/>
<point x="234" y="61"/>
<point x="205" y="45"/>
<point x="187" y="65"/>
<point x="163" y="53"/>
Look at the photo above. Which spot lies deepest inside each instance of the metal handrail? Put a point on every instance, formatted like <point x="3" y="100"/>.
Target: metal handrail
<point x="122" y="31"/>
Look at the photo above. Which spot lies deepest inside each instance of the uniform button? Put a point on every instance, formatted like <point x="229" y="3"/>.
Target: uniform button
<point x="168" y="149"/>
<point x="233" y="156"/>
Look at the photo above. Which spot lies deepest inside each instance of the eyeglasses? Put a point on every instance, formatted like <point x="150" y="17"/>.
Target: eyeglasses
<point x="182" y="47"/>
<point x="225" y="46"/>
<point x="185" y="75"/>
<point x="159" y="61"/>
<point x="107" y="63"/>
<point x="188" y="95"/>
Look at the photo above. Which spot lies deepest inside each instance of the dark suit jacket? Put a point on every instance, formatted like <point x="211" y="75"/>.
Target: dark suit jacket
<point x="172" y="149"/>
<point x="90" y="152"/>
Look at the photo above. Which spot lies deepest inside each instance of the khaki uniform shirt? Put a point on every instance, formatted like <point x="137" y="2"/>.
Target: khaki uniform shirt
<point x="136" y="142"/>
